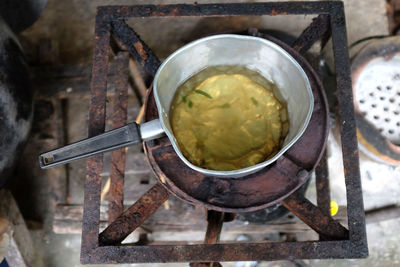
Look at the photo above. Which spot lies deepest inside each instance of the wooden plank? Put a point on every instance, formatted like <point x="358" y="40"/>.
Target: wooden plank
<point x="64" y="81"/>
<point x="68" y="220"/>
<point x="236" y="227"/>
<point x="180" y="217"/>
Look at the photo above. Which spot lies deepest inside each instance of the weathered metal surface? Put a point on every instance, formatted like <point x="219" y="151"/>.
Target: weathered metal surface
<point x="139" y="50"/>
<point x="371" y="140"/>
<point x="134" y="216"/>
<point x="322" y="184"/>
<point x="205" y="264"/>
<point x="215" y="221"/>
<point x="226" y="195"/>
<point x="348" y="131"/>
<point x="374" y="144"/>
<point x="319" y="29"/>
<point x="119" y="117"/>
<point x="293" y="167"/>
<point x="91" y="204"/>
<point x="229" y="217"/>
<point x="322" y="188"/>
<point x="68" y="220"/>
<point x="255" y="191"/>
<point x="323" y="224"/>
<point x="262" y="251"/>
<point x="234" y="9"/>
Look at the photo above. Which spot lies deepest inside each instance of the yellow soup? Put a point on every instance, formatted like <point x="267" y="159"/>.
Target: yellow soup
<point x="228" y="117"/>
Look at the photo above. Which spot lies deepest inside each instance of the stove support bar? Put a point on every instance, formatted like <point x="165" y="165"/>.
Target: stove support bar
<point x="319" y="29"/>
<point x="91" y="204"/>
<point x="323" y="188"/>
<point x="215" y="221"/>
<point x="355" y="205"/>
<point x="322" y="183"/>
<point x="207" y="10"/>
<point x="134" y="216"/>
<point x="263" y="251"/>
<point x="131" y="42"/>
<point x="323" y="224"/>
<point x="119" y="117"/>
<point x="354" y="247"/>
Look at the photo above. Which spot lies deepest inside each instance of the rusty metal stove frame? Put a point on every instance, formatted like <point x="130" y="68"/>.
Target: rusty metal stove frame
<point x="335" y="240"/>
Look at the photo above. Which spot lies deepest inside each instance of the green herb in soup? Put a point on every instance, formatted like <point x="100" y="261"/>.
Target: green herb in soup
<point x="228" y="117"/>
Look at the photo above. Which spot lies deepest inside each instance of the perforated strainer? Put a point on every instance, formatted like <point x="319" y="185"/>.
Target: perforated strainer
<point x="377" y="95"/>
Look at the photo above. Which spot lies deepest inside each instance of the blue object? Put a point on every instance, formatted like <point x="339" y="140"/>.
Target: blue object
<point x="4" y="263"/>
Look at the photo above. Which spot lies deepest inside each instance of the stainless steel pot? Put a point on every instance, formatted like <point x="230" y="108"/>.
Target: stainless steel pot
<point x="257" y="54"/>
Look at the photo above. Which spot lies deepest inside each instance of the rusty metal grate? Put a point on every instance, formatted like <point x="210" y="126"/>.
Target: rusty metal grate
<point x="335" y="240"/>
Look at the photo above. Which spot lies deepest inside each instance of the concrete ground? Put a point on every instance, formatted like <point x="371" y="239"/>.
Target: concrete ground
<point x="69" y="26"/>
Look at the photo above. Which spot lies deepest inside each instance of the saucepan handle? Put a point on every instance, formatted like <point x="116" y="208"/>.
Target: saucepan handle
<point x="127" y="135"/>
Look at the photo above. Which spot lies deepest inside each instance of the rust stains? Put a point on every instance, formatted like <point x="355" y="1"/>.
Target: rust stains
<point x="139" y="48"/>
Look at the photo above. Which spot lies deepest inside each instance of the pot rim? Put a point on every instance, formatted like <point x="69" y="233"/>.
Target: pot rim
<point x="251" y="169"/>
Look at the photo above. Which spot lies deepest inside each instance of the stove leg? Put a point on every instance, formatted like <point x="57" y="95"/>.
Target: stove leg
<point x="323" y="224"/>
<point x="215" y="221"/>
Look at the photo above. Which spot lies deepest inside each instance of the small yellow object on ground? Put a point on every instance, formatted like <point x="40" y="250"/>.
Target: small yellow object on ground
<point x="334" y="208"/>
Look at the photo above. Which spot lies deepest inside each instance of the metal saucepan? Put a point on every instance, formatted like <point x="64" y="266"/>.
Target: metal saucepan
<point x="257" y="54"/>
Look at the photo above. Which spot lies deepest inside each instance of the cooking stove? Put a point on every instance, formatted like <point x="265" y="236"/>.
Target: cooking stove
<point x="223" y="197"/>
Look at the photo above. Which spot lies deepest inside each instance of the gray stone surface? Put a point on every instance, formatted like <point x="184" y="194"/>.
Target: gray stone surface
<point x="383" y="243"/>
<point x="21" y="249"/>
<point x="365" y="18"/>
<point x="381" y="184"/>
